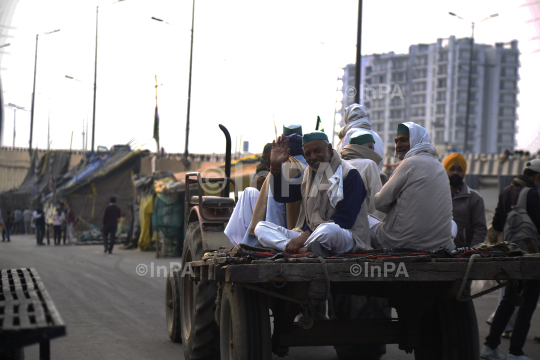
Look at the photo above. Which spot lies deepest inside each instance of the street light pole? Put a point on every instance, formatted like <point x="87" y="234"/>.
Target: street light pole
<point x="186" y="161"/>
<point x="33" y="101"/>
<point x="358" y="68"/>
<point x="15" y="108"/>
<point x="14" y="118"/>
<point x="95" y="81"/>
<point x="34" y="93"/>
<point x="469" y="85"/>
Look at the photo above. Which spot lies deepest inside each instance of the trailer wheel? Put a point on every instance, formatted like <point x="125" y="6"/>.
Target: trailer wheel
<point x="449" y="332"/>
<point x="172" y="306"/>
<point x="244" y="325"/>
<point x="200" y="333"/>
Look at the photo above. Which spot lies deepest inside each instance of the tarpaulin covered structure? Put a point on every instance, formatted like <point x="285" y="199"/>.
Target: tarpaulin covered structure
<point x="40" y="180"/>
<point x="89" y="186"/>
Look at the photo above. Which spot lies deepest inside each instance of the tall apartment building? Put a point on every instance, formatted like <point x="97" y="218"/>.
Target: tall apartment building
<point x="429" y="87"/>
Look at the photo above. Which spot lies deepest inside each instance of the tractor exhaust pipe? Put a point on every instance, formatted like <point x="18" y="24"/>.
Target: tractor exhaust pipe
<point x="226" y="189"/>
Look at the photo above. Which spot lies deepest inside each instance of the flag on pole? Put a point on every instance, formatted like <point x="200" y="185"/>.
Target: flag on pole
<point x="156" y="125"/>
<point x="319" y="125"/>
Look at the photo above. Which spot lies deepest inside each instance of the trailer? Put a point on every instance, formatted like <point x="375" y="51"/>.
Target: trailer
<point x="250" y="303"/>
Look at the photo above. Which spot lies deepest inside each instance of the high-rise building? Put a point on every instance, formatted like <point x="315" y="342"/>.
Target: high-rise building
<point x="429" y="86"/>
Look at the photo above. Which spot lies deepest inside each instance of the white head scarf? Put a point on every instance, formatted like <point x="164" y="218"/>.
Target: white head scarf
<point x="418" y="140"/>
<point x="355" y="119"/>
<point x="356" y="112"/>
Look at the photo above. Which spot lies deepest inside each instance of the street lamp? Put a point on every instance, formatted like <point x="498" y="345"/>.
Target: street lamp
<point x="84" y="133"/>
<point x="95" y="75"/>
<point x="186" y="161"/>
<point x="15" y="108"/>
<point x="465" y="145"/>
<point x="34" y="91"/>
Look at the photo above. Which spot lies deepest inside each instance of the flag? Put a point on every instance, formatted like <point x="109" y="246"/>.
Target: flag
<point x="319" y="124"/>
<point x="156" y="125"/>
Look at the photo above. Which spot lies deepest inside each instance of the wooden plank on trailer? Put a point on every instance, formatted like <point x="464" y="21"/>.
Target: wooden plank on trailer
<point x="262" y="273"/>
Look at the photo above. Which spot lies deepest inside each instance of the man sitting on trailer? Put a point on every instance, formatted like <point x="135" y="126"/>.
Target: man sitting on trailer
<point x="332" y="193"/>
<point x="255" y="205"/>
<point x="416" y="198"/>
<point x="360" y="154"/>
<point x="356" y="119"/>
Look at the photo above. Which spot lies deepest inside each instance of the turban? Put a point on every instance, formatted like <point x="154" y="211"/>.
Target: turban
<point x="314" y="135"/>
<point x="451" y="159"/>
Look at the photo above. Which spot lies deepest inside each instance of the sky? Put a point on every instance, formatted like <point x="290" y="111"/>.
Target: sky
<point x="253" y="62"/>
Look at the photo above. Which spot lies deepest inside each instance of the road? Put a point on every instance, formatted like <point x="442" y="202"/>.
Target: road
<point x="113" y="313"/>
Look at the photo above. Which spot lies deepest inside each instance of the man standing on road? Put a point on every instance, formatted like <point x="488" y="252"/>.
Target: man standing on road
<point x="39" y="218"/>
<point x="529" y="290"/>
<point x="17" y="221"/>
<point x="27" y="218"/>
<point x="58" y="219"/>
<point x="70" y="219"/>
<point x="63" y="229"/>
<point x="110" y="222"/>
<point x="6" y="226"/>
<point x="467" y="204"/>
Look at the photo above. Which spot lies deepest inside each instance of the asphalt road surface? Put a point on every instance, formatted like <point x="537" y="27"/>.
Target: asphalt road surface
<point x="112" y="312"/>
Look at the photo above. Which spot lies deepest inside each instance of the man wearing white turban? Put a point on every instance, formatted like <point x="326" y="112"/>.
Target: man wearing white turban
<point x="355" y="119"/>
<point x="416" y="198"/>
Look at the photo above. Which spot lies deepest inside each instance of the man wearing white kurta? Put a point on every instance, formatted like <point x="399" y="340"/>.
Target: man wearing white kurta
<point x="332" y="195"/>
<point x="241" y="217"/>
<point x="416" y="198"/>
<point x="360" y="154"/>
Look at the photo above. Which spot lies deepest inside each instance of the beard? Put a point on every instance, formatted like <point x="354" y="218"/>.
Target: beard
<point x="455" y="180"/>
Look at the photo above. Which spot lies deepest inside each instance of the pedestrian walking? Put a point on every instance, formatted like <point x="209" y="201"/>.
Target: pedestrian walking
<point x="58" y="219"/>
<point x="6" y="226"/>
<point x="110" y="223"/>
<point x="17" y="221"/>
<point x="27" y="219"/>
<point x="70" y="219"/>
<point x="63" y="226"/>
<point x="39" y="222"/>
<point x="528" y="290"/>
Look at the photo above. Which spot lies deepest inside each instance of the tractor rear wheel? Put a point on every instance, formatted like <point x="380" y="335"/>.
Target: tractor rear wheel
<point x="200" y="333"/>
<point x="244" y="325"/>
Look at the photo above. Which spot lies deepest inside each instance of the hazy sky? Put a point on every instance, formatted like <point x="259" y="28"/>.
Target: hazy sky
<point x="252" y="60"/>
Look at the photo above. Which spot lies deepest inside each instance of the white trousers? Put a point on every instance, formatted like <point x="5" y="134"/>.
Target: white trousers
<point x="69" y="229"/>
<point x="241" y="216"/>
<point x="275" y="212"/>
<point x="332" y="237"/>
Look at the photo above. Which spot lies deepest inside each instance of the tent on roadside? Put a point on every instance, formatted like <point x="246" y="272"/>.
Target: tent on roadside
<point x="39" y="181"/>
<point x="89" y="186"/>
